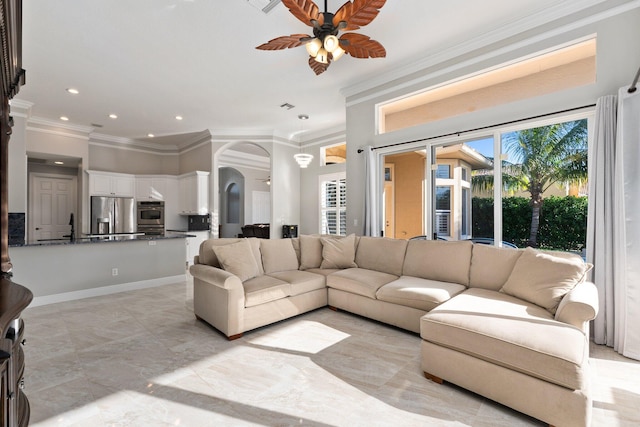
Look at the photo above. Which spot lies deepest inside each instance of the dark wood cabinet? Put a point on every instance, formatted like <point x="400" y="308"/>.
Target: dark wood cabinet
<point x="14" y="405"/>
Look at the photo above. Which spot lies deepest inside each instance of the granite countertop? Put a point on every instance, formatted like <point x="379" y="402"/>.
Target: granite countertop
<point x="105" y="239"/>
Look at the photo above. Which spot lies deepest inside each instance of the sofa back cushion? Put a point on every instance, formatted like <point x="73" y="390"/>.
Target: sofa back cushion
<point x="339" y="252"/>
<point x="543" y="278"/>
<point x="438" y="260"/>
<point x="278" y="255"/>
<point x="207" y="255"/>
<point x="491" y="266"/>
<point x="381" y="254"/>
<point x="236" y="258"/>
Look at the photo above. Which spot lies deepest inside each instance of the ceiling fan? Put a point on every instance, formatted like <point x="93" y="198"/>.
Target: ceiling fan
<point x="325" y="45"/>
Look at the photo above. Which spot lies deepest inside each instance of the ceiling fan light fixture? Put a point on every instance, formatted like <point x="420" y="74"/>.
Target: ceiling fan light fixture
<point x="326" y="44"/>
<point x="322" y="56"/>
<point x="337" y="53"/>
<point x="331" y="43"/>
<point x="313" y="47"/>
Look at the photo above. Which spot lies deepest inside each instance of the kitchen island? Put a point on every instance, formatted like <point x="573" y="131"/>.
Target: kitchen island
<point x="63" y="270"/>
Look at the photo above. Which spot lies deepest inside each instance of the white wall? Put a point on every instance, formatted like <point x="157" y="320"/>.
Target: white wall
<point x="17" y="166"/>
<point x="618" y="58"/>
<point x="285" y="189"/>
<point x="309" y="180"/>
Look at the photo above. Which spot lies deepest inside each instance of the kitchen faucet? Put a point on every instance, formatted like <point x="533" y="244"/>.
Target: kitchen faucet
<point x="72" y="236"/>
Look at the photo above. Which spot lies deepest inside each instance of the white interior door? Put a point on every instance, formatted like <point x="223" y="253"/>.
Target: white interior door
<point x="261" y="203"/>
<point x="53" y="199"/>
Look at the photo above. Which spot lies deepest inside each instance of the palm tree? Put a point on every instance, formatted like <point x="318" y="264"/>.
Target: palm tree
<point x="543" y="156"/>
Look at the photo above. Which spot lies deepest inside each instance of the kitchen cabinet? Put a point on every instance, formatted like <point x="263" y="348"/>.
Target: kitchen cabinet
<point x="148" y="185"/>
<point x="111" y="184"/>
<point x="194" y="193"/>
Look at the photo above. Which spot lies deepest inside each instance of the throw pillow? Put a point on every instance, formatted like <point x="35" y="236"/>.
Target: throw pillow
<point x="237" y="259"/>
<point x="338" y="252"/>
<point x="278" y="255"/>
<point x="310" y="252"/>
<point x="543" y="279"/>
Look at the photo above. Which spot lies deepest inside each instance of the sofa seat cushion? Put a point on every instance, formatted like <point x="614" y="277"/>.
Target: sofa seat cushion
<point x="423" y="294"/>
<point x="301" y="281"/>
<point x="510" y="332"/>
<point x="262" y="289"/>
<point x="359" y="281"/>
<point x="324" y="271"/>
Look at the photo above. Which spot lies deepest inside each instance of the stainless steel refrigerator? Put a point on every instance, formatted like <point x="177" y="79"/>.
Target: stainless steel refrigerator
<point x="110" y="215"/>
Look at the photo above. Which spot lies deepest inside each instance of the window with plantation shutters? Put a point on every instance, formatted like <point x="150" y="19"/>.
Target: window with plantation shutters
<point x="333" y="204"/>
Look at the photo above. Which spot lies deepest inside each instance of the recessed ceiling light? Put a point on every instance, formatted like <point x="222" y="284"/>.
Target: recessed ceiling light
<point x="65" y="118"/>
<point x="178" y="117"/>
<point x="59" y="162"/>
<point x="113" y="116"/>
<point x="150" y="135"/>
<point x="73" y="91"/>
<point x="303" y="117"/>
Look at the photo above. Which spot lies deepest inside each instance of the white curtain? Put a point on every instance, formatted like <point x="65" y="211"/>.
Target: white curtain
<point x="614" y="221"/>
<point x="371" y="216"/>
<point x="600" y="238"/>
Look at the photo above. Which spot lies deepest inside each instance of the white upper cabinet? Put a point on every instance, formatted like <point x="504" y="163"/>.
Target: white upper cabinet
<point x="111" y="184"/>
<point x="194" y="193"/>
<point x="152" y="188"/>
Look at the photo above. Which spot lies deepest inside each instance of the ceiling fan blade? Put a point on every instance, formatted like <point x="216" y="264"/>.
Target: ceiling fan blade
<point x="357" y="13"/>
<point x="284" y="42"/>
<point x="361" y="46"/>
<point x="318" y="67"/>
<point x="304" y="10"/>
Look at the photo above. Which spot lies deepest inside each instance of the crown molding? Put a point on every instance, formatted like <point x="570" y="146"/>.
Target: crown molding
<point x="55" y="126"/>
<point x="558" y="11"/>
<point x="111" y="141"/>
<point x="20" y="108"/>
<point x="235" y="158"/>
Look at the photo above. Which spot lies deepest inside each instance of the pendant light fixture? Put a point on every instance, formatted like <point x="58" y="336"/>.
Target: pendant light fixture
<point x="303" y="159"/>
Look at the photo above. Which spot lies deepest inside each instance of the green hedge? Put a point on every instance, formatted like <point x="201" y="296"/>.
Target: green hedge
<point x="563" y="221"/>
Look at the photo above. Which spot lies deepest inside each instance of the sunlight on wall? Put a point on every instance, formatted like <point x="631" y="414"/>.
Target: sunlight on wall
<point x="564" y="68"/>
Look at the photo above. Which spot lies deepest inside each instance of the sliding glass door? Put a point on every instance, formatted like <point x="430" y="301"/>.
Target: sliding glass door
<point x="514" y="187"/>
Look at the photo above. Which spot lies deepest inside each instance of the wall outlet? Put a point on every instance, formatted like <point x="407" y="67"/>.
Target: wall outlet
<point x="152" y="242"/>
<point x="114" y="271"/>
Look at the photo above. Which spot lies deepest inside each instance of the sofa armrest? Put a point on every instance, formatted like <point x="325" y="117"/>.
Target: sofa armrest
<point x="218" y="298"/>
<point x="579" y="306"/>
<point x="215" y="276"/>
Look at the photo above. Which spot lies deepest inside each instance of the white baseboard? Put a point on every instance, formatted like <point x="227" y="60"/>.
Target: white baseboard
<point x="106" y="290"/>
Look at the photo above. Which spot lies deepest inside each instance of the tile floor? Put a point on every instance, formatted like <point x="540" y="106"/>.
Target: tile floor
<point x="141" y="359"/>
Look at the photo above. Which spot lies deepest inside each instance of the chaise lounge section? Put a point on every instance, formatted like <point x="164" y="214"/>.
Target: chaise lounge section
<point x="511" y="325"/>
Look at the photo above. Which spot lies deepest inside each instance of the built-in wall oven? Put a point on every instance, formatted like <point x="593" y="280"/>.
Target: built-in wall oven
<point x="151" y="217"/>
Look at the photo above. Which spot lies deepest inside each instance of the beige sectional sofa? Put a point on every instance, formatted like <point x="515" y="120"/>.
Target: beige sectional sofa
<point x="509" y="324"/>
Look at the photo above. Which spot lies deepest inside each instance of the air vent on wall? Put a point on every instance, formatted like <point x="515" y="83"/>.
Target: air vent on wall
<point x="264" y="5"/>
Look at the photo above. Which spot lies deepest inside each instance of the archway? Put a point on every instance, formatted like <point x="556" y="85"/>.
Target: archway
<point x="249" y="200"/>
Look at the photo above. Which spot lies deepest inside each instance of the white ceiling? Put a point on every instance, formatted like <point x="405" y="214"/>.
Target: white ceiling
<point x="150" y="60"/>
